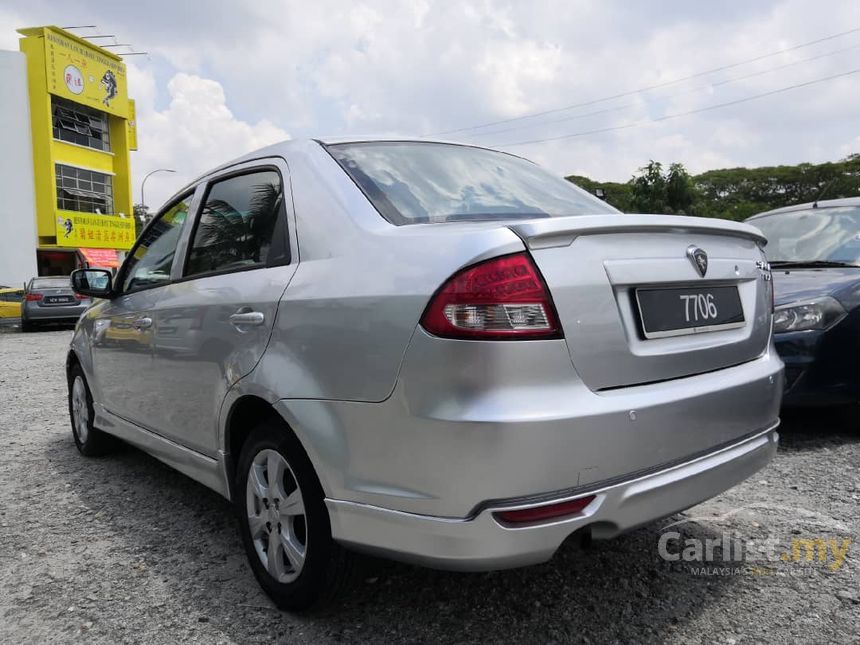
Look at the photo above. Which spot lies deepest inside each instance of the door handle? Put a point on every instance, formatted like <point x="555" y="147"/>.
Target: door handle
<point x="142" y="323"/>
<point x="241" y="317"/>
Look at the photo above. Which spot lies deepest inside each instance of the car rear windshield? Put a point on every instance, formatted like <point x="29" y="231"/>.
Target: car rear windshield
<point x="423" y="183"/>
<point x="827" y="234"/>
<point x="51" y="283"/>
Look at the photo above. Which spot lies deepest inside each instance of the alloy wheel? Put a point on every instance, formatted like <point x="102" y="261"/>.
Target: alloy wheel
<point x="80" y="409"/>
<point x="276" y="516"/>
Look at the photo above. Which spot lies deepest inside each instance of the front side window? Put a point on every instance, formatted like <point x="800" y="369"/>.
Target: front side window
<point x="425" y="183"/>
<point x="84" y="191"/>
<point x="80" y="124"/>
<point x="237" y="223"/>
<point x="152" y="259"/>
<point x="827" y="234"/>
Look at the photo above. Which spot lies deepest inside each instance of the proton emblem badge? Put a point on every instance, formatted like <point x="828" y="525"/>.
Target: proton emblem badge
<point x="699" y="259"/>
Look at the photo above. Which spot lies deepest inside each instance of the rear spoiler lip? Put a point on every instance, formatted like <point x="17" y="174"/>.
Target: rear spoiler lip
<point x="561" y="231"/>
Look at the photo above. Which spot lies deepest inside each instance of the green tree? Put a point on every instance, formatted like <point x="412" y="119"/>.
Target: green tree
<point x="649" y="189"/>
<point x="680" y="194"/>
<point x="619" y="195"/>
<point x="141" y="218"/>
<point x="730" y="193"/>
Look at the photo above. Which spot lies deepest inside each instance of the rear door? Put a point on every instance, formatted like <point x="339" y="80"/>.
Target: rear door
<point x="214" y="322"/>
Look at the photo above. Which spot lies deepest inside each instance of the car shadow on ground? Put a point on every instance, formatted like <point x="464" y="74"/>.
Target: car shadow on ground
<point x="815" y="428"/>
<point x="187" y="539"/>
<point x="15" y="327"/>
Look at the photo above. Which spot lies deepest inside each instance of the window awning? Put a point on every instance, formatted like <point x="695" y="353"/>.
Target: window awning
<point x="102" y="258"/>
<point x="77" y="192"/>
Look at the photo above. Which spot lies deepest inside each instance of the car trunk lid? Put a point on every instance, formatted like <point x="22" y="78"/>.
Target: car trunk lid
<point x="595" y="265"/>
<point x="54" y="296"/>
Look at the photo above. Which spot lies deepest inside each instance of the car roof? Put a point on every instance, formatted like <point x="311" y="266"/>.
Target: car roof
<point x="825" y="203"/>
<point x="44" y="278"/>
<point x="284" y="148"/>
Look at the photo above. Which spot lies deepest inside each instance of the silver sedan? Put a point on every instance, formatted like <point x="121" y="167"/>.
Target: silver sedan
<point x="51" y="300"/>
<point x="438" y="353"/>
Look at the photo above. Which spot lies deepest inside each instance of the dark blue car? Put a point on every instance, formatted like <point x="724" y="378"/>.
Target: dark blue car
<point x="814" y="252"/>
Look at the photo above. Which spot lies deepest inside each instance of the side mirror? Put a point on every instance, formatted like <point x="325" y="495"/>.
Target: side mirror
<point x="96" y="283"/>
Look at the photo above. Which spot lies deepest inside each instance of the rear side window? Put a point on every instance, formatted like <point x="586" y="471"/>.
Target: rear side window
<point x="425" y="183"/>
<point x="238" y="224"/>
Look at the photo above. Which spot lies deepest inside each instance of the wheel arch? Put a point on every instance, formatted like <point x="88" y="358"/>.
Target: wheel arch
<point x="71" y="360"/>
<point x="243" y="415"/>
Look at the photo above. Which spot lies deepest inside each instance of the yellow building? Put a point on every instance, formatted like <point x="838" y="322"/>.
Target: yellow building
<point x="82" y="130"/>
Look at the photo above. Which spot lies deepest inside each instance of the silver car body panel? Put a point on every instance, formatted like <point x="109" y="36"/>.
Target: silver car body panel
<point x="597" y="306"/>
<point x="414" y="434"/>
<point x="467" y="424"/>
<point x="202" y="468"/>
<point x="198" y="352"/>
<point x="53" y="313"/>
<point x="481" y="542"/>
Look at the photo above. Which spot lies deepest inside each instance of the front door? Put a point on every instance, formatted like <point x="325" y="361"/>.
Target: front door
<point x="124" y="332"/>
<point x="214" y="322"/>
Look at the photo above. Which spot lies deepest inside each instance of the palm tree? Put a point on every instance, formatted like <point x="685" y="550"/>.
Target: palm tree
<point x="226" y="237"/>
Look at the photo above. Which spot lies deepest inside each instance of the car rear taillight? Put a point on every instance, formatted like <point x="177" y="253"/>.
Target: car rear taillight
<point x="546" y="512"/>
<point x="80" y="297"/>
<point x="501" y="299"/>
<point x="33" y="297"/>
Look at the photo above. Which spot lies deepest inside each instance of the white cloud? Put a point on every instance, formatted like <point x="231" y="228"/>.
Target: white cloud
<point x="510" y="70"/>
<point x="196" y="132"/>
<point x="330" y="67"/>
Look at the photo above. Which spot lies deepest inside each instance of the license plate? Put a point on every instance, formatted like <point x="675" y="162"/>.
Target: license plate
<point x="693" y="310"/>
<point x="56" y="300"/>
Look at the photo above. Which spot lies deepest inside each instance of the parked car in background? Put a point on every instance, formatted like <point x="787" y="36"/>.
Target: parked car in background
<point x="814" y="252"/>
<point x="438" y="353"/>
<point x="10" y="305"/>
<point x="51" y="300"/>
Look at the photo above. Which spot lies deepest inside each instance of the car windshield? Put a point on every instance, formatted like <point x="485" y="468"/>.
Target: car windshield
<point x="423" y="183"/>
<point x="815" y="235"/>
<point x="50" y="283"/>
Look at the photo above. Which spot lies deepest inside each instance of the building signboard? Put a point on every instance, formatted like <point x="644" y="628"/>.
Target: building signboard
<point x="83" y="74"/>
<point x="94" y="231"/>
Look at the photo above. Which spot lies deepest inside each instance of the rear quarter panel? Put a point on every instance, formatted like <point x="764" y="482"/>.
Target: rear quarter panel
<point x="361" y="286"/>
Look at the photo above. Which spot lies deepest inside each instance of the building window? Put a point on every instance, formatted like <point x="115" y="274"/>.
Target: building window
<point x="80" y="124"/>
<point x="84" y="191"/>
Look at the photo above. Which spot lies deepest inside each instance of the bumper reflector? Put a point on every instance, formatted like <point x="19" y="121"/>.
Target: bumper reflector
<point x="540" y="513"/>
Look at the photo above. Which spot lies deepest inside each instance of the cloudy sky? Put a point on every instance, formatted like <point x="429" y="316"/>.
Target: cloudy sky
<point x="224" y="77"/>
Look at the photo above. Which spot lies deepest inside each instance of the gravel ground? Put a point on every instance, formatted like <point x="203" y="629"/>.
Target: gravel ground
<point x="122" y="549"/>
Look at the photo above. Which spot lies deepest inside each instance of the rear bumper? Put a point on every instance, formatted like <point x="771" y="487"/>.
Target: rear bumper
<point x="482" y="542"/>
<point x="469" y="423"/>
<point x="53" y="314"/>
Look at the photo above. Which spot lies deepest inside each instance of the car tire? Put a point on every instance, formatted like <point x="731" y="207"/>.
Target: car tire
<point x="89" y="441"/>
<point x="309" y="568"/>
